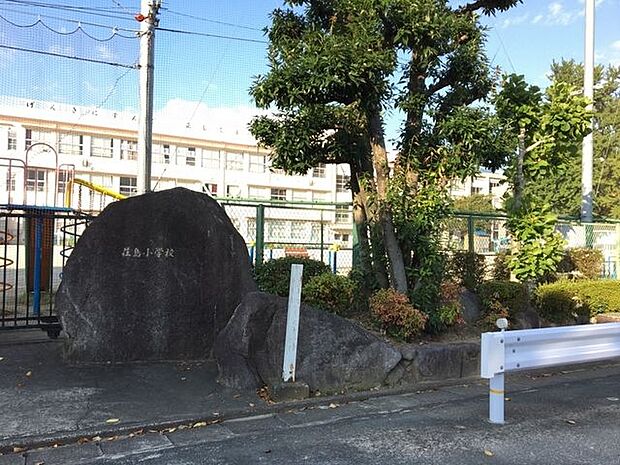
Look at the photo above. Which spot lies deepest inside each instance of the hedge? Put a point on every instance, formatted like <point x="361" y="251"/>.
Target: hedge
<point x="511" y="295"/>
<point x="274" y="276"/>
<point x="577" y="301"/>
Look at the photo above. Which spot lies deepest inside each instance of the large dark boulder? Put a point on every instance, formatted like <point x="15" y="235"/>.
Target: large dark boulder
<point x="154" y="277"/>
<point x="333" y="353"/>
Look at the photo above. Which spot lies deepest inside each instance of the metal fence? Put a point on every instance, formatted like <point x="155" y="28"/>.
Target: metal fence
<point x="320" y="231"/>
<point x="35" y="243"/>
<point x="487" y="234"/>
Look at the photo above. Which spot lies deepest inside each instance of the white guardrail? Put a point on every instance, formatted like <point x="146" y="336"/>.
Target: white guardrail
<point x="507" y="351"/>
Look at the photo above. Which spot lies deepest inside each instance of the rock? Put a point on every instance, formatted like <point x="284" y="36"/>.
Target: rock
<point x="332" y="353"/>
<point x="283" y="392"/>
<point x="154" y="277"/>
<point x="527" y="319"/>
<point x="471" y="307"/>
<point x="607" y="318"/>
<point x="436" y="362"/>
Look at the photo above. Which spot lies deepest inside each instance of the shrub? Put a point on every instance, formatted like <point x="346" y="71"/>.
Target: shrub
<point x="577" y="301"/>
<point x="494" y="312"/>
<point x="398" y="317"/>
<point x="588" y="263"/>
<point x="511" y="295"/>
<point x="501" y="271"/>
<point x="448" y="313"/>
<point x="467" y="268"/>
<point x="274" y="276"/>
<point x="330" y="292"/>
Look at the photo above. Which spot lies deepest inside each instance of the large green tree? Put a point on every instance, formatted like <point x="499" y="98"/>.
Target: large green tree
<point x="336" y="68"/>
<point x="562" y="189"/>
<point x="546" y="129"/>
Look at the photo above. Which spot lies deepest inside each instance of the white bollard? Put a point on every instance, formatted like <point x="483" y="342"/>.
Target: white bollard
<point x="496" y="399"/>
<point x="292" y="323"/>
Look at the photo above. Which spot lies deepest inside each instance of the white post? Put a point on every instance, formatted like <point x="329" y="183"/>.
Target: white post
<point x="588" y="91"/>
<point x="496" y="399"/>
<point x="292" y="323"/>
<point x="149" y="9"/>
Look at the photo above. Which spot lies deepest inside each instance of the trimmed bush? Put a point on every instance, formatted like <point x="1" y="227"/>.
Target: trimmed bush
<point x="274" y="276"/>
<point x="585" y="262"/>
<point x="512" y="296"/>
<point x="398" y="317"/>
<point x="501" y="271"/>
<point x="330" y="292"/>
<point x="577" y="301"/>
<point x="467" y="268"/>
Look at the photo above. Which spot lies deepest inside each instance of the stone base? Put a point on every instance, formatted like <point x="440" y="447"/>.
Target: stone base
<point x="294" y="390"/>
<point x="608" y="318"/>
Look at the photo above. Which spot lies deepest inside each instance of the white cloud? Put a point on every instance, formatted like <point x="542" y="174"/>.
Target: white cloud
<point x="537" y="19"/>
<point x="515" y="21"/>
<point x="105" y="52"/>
<point x="616" y="45"/>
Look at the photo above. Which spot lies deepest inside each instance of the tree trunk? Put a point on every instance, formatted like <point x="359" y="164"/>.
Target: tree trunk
<point x="519" y="181"/>
<point x="398" y="275"/>
<point x="360" y="221"/>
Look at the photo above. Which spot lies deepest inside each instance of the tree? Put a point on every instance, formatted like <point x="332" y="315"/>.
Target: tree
<point x="546" y="132"/>
<point x="562" y="190"/>
<point x="335" y="69"/>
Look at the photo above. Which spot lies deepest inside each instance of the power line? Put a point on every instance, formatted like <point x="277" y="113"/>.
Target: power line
<point x="71" y="57"/>
<point x="99" y="12"/>
<point x="76" y="30"/>
<point x="505" y="51"/>
<point x="73" y="21"/>
<point x="214" y="21"/>
<point x="217" y="36"/>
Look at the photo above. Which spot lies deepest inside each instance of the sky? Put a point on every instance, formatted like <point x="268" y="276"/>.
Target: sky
<point x="204" y="78"/>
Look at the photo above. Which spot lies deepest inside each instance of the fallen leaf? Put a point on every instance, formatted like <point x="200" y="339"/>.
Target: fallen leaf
<point x="18" y="449"/>
<point x="488" y="453"/>
<point x="1" y="358"/>
<point x="199" y="424"/>
<point x="39" y="463"/>
<point x="571" y="422"/>
<point x="28" y="374"/>
<point x="459" y="426"/>
<point x="112" y="421"/>
<point x="333" y="405"/>
<point x="171" y="430"/>
<point x="507" y="399"/>
<point x="236" y="396"/>
<point x="183" y="379"/>
<point x="251" y="404"/>
<point x="613" y="399"/>
<point x="268" y="451"/>
<point x="97" y="438"/>
<point x="215" y="414"/>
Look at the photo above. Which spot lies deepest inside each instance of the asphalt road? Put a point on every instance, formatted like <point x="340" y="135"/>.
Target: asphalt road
<point x="569" y="417"/>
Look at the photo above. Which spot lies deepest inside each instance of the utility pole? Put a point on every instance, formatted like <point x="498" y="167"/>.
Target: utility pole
<point x="148" y="23"/>
<point x="588" y="92"/>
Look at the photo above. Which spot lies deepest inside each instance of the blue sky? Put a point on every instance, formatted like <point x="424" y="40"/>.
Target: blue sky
<point x="199" y="78"/>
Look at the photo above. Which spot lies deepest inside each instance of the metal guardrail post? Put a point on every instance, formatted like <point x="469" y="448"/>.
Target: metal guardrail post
<point x="260" y="233"/>
<point x="322" y="238"/>
<point x="470" y="234"/>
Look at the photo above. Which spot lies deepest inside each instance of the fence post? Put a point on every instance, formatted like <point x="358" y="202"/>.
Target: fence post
<point x="617" y="270"/>
<point x="322" y="238"/>
<point x="496" y="399"/>
<point x="260" y="233"/>
<point x="292" y="324"/>
<point x="470" y="234"/>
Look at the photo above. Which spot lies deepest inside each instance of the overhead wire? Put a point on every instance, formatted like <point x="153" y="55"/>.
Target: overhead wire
<point x="206" y="34"/>
<point x="71" y="57"/>
<point x="101" y="13"/>
<point x="76" y="30"/>
<point x="213" y="21"/>
<point x="69" y="20"/>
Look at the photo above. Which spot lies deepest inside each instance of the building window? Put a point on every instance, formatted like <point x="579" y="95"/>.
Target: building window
<point x="493" y="185"/>
<point x="129" y="150"/>
<point x="166" y="152"/>
<point x="34" y="136"/>
<point x="103" y="181"/>
<point x="102" y="147"/>
<point x="319" y="171"/>
<point x="276" y="230"/>
<point x="210" y="188"/>
<point x="71" y="144"/>
<point x="233" y="191"/>
<point x="258" y="192"/>
<point x="251" y="228"/>
<point x="128" y="185"/>
<point x="341" y="237"/>
<point x="234" y="161"/>
<point x="278" y="194"/>
<point x="319" y="196"/>
<point x="10" y="182"/>
<point x="342" y="214"/>
<point x="35" y="180"/>
<point x="315" y="232"/>
<point x="190" y="158"/>
<point x="476" y="190"/>
<point x="258" y="163"/>
<point x="299" y="195"/>
<point x="342" y="183"/>
<point x="211" y="159"/>
<point x="12" y="144"/>
<point x="63" y="176"/>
